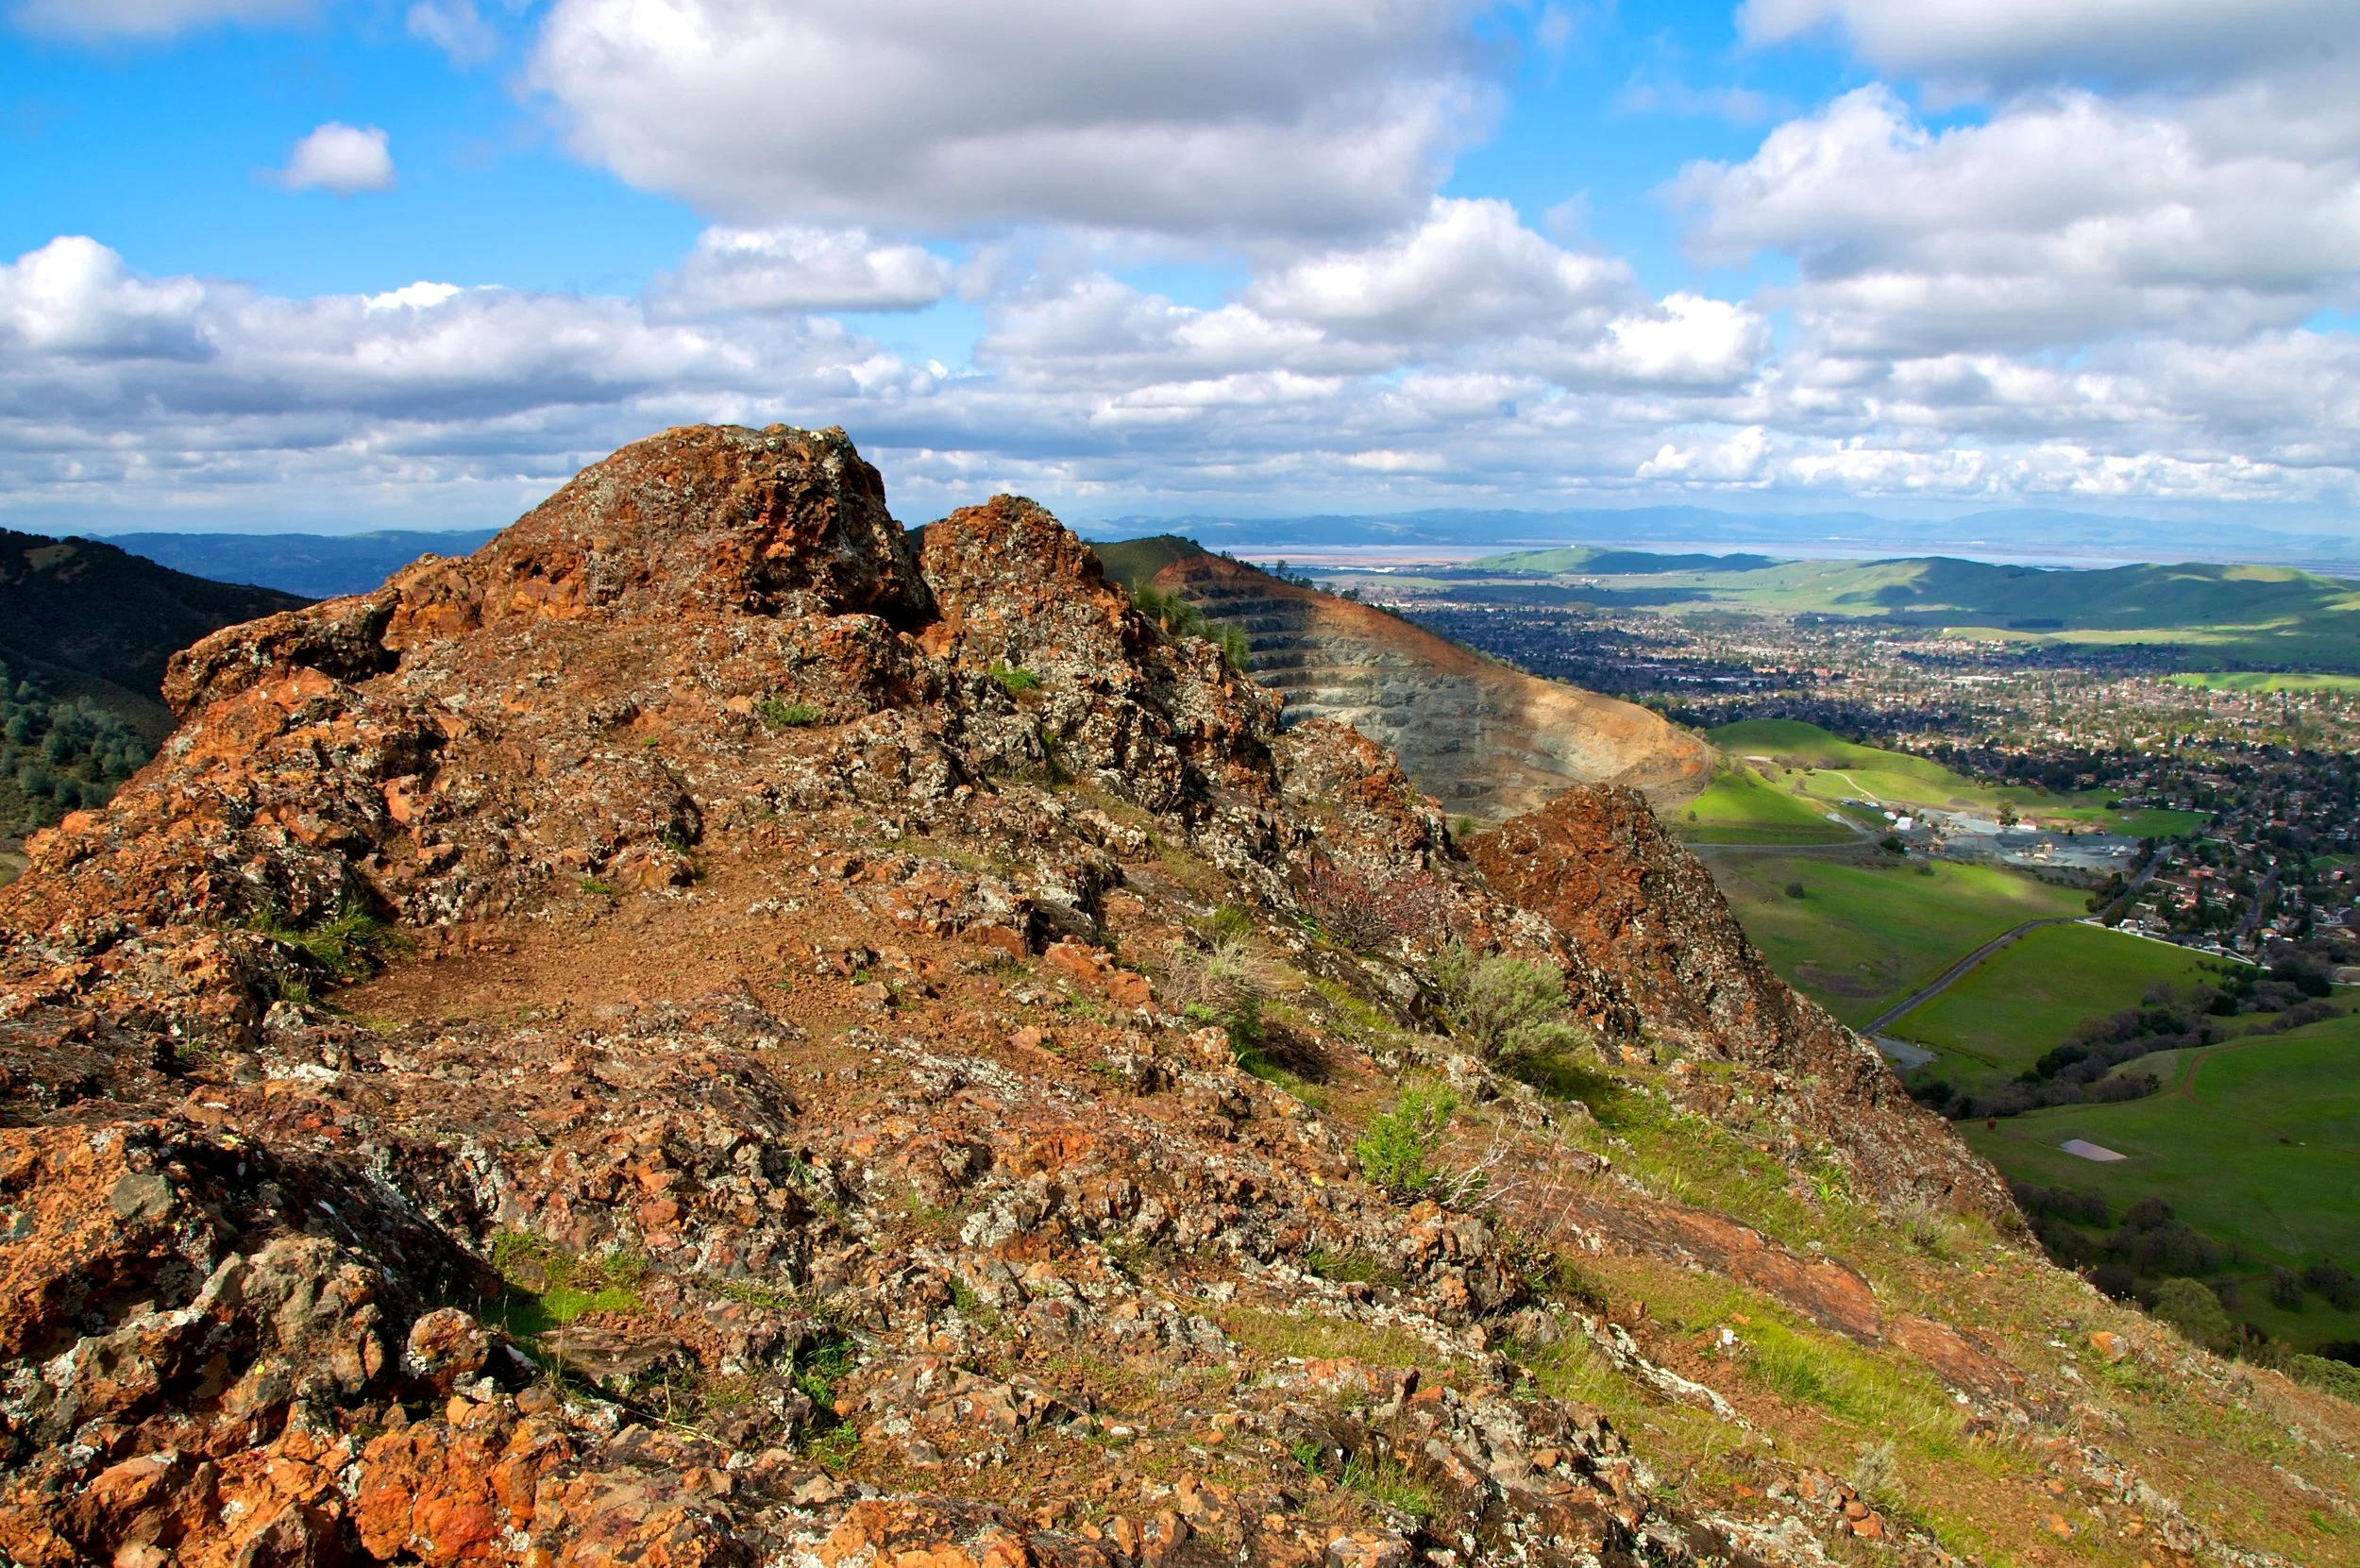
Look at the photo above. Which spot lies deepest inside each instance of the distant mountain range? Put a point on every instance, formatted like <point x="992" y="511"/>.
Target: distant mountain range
<point x="317" y="565"/>
<point x="2305" y="615"/>
<point x="2052" y="537"/>
<point x="320" y="566"/>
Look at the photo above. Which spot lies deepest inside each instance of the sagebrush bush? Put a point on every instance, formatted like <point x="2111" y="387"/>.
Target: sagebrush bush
<point x="1512" y="1009"/>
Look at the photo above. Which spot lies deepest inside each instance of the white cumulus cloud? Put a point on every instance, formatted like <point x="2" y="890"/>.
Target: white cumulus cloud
<point x="1217" y="117"/>
<point x="2059" y="219"/>
<point x="339" y="158"/>
<point x="796" y="268"/>
<point x="2007" y="42"/>
<point x="122" y="396"/>
<point x="75" y="297"/>
<point x="1471" y="268"/>
<point x="456" y="28"/>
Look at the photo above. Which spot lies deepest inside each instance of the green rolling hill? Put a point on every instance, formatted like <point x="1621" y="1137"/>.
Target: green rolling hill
<point x="2240" y="613"/>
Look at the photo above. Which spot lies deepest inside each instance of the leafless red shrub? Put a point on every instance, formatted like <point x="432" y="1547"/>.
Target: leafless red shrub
<point x="1370" y="912"/>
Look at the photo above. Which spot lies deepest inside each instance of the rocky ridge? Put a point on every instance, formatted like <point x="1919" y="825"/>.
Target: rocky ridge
<point x="843" y="1053"/>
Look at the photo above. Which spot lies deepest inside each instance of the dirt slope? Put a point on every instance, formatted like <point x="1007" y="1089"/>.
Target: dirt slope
<point x="1481" y="738"/>
<point x="706" y="1035"/>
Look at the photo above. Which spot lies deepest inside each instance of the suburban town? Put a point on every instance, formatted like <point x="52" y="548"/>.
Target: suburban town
<point x="2263" y="783"/>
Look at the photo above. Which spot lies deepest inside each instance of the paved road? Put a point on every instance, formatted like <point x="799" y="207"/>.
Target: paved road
<point x="2254" y="916"/>
<point x="1958" y="970"/>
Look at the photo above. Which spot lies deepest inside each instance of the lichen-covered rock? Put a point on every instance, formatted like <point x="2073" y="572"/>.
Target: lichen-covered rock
<point x="1647" y="918"/>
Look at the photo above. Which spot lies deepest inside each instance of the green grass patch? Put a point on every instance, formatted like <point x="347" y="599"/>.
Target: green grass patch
<point x="1013" y="679"/>
<point x="1866" y="933"/>
<point x="780" y="715"/>
<point x="1385" y="1481"/>
<point x="1275" y="1336"/>
<point x="1349" y="1268"/>
<point x="1741" y="806"/>
<point x="547" y="1288"/>
<point x="2265" y="681"/>
<point x="1827" y="768"/>
<point x="2256" y="1141"/>
<point x="2026" y="998"/>
<point x="2156" y="822"/>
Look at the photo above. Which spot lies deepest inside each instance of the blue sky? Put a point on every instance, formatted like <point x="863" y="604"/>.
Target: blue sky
<point x="1244" y="256"/>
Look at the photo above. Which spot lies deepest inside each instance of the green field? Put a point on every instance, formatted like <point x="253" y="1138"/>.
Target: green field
<point x="2027" y="997"/>
<point x="2157" y="823"/>
<point x="2259" y="680"/>
<point x="1868" y="932"/>
<point x="1742" y="807"/>
<point x="2255" y="1141"/>
<point x="1830" y="768"/>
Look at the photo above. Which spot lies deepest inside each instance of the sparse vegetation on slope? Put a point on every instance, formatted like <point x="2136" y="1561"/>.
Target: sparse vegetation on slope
<point x="948" y="1130"/>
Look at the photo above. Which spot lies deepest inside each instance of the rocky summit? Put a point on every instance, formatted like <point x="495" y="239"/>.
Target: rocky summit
<point x="718" y="1031"/>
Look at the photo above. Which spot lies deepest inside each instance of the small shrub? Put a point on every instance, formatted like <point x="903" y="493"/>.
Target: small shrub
<point x="1397" y="1151"/>
<point x="1235" y="649"/>
<point x="1877" y="1472"/>
<point x="1216" y="987"/>
<point x="1794" y="889"/>
<point x="1013" y="679"/>
<point x="1512" y="1010"/>
<point x="1371" y="913"/>
<point x="1180" y="618"/>
<point x="2337" y="1377"/>
<point x="348" y="946"/>
<point x="2334" y="1282"/>
<point x="787" y="716"/>
<point x="1229" y="922"/>
<point x="2195" y="1312"/>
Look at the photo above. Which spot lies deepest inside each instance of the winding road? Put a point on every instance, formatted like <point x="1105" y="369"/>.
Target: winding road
<point x="1959" y="970"/>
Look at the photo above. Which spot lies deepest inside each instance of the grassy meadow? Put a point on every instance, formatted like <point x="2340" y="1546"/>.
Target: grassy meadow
<point x="1742" y="807"/>
<point x="1867" y="932"/>
<point x="2254" y="1141"/>
<point x="1816" y="766"/>
<point x="2266" y="680"/>
<point x="2024" y="998"/>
